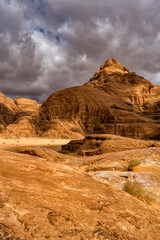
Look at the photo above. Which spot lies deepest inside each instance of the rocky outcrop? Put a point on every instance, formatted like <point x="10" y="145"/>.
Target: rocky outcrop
<point x="114" y="101"/>
<point x="93" y="110"/>
<point x="25" y="107"/>
<point x="7" y="111"/>
<point x="154" y="135"/>
<point x="16" y="117"/>
<point x="104" y="143"/>
<point x="42" y="199"/>
<point x="140" y="94"/>
<point x="112" y="66"/>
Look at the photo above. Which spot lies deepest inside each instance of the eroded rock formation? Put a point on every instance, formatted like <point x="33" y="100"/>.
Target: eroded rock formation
<point x="105" y="143"/>
<point x="16" y="117"/>
<point x="42" y="199"/>
<point x="114" y="101"/>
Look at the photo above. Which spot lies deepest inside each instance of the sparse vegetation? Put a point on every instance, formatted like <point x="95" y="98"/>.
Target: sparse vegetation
<point x="135" y="189"/>
<point x="100" y="167"/>
<point x="57" y="159"/>
<point x="92" y="168"/>
<point x="132" y="164"/>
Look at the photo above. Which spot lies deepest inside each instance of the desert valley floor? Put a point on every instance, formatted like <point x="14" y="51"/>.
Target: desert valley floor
<point x="77" y="194"/>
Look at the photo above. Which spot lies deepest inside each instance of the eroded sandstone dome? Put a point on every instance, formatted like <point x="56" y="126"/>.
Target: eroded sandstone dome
<point x="114" y="101"/>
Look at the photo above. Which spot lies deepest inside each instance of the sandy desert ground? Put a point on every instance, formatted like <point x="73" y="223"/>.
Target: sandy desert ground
<point x="13" y="143"/>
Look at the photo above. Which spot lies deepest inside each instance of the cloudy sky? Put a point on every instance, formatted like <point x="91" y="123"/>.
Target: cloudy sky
<point x="47" y="45"/>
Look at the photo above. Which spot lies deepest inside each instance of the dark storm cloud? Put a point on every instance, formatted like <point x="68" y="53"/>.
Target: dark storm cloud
<point x="53" y="44"/>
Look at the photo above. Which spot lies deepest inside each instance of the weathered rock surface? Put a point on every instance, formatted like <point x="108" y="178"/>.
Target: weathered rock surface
<point x="114" y="101"/>
<point x="95" y="144"/>
<point x="154" y="135"/>
<point x="25" y="107"/>
<point x="118" y="153"/>
<point x="149" y="180"/>
<point x="42" y="199"/>
<point x="120" y="160"/>
<point x="48" y="154"/>
<point x="7" y="111"/>
<point x="16" y="117"/>
<point x="112" y="168"/>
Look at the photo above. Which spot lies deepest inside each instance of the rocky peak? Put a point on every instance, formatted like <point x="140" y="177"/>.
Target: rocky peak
<point x="22" y="102"/>
<point x="112" y="66"/>
<point x="1" y="95"/>
<point x="114" y="77"/>
<point x="15" y="115"/>
<point x="25" y="107"/>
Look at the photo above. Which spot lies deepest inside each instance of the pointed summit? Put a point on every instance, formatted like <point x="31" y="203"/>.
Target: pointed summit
<point x="112" y="66"/>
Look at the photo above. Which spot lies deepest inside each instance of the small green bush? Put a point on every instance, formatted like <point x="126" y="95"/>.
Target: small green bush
<point x="132" y="164"/>
<point x="135" y="189"/>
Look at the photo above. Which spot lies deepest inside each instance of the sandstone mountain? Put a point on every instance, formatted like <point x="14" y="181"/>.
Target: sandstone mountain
<point x="15" y="116"/>
<point x="114" y="101"/>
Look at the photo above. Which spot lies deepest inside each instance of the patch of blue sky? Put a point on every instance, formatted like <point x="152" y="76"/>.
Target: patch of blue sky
<point x="39" y="29"/>
<point x="41" y="7"/>
<point x="58" y="38"/>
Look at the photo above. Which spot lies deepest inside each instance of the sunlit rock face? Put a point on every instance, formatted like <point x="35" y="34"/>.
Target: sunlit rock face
<point x="45" y="199"/>
<point x="113" y="66"/>
<point x="16" y="116"/>
<point x="114" y="101"/>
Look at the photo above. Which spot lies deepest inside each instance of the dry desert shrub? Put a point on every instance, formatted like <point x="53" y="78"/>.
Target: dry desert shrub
<point x="135" y="189"/>
<point x="132" y="164"/>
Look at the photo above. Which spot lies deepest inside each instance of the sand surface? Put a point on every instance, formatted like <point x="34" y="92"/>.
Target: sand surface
<point x="13" y="144"/>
